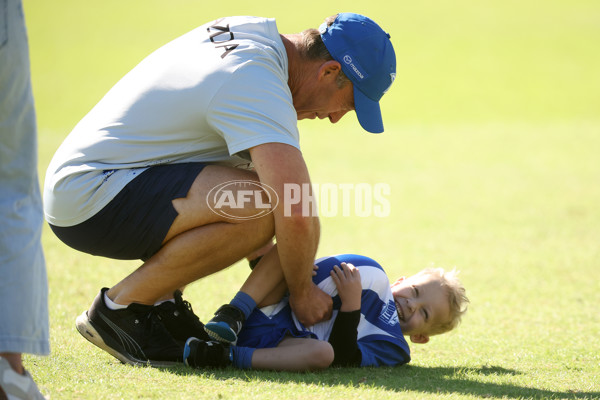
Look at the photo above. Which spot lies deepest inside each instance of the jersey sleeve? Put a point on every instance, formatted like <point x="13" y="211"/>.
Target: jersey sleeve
<point x="378" y="353"/>
<point x="343" y="339"/>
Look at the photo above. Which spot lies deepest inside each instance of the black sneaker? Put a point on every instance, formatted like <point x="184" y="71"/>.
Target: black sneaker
<point x="226" y="324"/>
<point x="180" y="320"/>
<point x="200" y="353"/>
<point x="134" y="335"/>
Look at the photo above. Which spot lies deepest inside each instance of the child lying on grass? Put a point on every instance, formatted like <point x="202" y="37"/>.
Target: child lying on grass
<point x="369" y="322"/>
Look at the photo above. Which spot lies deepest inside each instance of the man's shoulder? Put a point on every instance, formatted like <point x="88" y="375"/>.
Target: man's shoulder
<point x="249" y="31"/>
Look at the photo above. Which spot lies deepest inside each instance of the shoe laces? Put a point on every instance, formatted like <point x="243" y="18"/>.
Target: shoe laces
<point x="184" y="306"/>
<point x="152" y="319"/>
<point x="151" y="322"/>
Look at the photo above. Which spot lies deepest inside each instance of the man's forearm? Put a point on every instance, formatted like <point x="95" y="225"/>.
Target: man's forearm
<point x="282" y="167"/>
<point x="297" y="242"/>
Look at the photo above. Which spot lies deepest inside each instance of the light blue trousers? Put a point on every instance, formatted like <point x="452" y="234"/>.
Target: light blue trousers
<point x="23" y="280"/>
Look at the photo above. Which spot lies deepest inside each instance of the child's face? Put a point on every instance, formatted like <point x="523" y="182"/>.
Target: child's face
<point x="422" y="304"/>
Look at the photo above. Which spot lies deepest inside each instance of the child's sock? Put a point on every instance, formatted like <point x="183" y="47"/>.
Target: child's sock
<point x="111" y="304"/>
<point x="241" y="357"/>
<point x="244" y="302"/>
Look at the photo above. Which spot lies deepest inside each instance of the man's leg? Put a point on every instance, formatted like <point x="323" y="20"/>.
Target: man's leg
<point x="124" y="321"/>
<point x="199" y="242"/>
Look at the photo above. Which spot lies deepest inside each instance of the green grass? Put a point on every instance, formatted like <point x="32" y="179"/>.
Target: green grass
<point x="491" y="152"/>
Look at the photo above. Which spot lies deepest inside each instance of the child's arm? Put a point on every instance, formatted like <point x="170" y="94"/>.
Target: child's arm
<point x="344" y="333"/>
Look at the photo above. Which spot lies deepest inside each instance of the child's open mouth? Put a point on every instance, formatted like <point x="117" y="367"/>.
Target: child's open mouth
<point x="400" y="311"/>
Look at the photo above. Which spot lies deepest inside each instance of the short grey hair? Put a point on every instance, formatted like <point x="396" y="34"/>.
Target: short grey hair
<point x="313" y="48"/>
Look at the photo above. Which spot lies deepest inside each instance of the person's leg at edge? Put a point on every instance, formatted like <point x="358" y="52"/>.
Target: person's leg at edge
<point x="23" y="284"/>
<point x="15" y="360"/>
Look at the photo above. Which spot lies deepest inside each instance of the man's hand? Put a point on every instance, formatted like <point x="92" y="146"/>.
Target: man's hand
<point x="315" y="306"/>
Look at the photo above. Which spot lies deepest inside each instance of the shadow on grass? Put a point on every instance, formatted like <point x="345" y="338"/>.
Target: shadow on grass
<point x="435" y="380"/>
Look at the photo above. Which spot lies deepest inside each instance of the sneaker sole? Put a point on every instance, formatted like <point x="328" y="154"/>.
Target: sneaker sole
<point x="187" y="350"/>
<point x="220" y="333"/>
<point x="94" y="336"/>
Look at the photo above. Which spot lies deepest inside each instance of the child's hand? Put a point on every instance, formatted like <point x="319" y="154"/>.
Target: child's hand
<point x="347" y="281"/>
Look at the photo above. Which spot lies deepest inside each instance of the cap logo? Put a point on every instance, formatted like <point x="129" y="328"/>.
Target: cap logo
<point x="392" y="79"/>
<point x="354" y="66"/>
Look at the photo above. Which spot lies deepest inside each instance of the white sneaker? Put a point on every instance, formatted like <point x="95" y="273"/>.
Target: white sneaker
<point x="14" y="386"/>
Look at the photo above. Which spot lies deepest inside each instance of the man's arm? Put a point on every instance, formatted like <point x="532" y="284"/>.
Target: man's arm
<point x="279" y="166"/>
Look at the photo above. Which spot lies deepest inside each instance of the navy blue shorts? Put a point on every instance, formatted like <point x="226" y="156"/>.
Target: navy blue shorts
<point x="134" y="224"/>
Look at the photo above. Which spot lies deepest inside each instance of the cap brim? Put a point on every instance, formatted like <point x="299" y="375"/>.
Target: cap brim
<point x="368" y="112"/>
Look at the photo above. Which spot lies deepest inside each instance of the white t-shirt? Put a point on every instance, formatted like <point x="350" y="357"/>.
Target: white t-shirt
<point x="207" y="96"/>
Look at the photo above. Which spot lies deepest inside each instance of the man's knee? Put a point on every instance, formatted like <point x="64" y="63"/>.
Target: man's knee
<point x="230" y="195"/>
<point x="224" y="194"/>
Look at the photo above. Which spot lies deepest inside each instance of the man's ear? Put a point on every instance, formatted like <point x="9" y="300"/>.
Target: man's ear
<point x="329" y="70"/>
<point x="422" y="339"/>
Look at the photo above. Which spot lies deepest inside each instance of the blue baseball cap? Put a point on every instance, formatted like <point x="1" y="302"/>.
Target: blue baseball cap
<point x="368" y="59"/>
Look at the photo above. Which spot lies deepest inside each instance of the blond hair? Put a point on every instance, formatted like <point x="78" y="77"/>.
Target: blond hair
<point x="456" y="295"/>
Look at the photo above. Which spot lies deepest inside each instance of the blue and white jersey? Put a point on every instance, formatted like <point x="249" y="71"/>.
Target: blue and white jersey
<point x="380" y="338"/>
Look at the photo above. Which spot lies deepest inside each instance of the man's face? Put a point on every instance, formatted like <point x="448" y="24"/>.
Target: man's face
<point x="322" y="98"/>
<point x="422" y="304"/>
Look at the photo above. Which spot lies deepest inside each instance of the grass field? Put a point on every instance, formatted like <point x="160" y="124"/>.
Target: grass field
<point x="491" y="153"/>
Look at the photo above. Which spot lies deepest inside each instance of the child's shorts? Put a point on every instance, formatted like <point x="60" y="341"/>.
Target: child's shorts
<point x="263" y="331"/>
